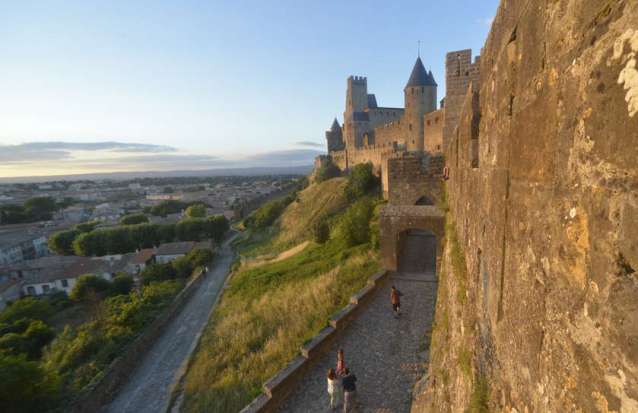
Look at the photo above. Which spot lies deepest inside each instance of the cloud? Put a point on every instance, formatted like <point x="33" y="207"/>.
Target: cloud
<point x="52" y="151"/>
<point x="288" y="157"/>
<point x="309" y="144"/>
<point x="486" y="21"/>
<point x="61" y="158"/>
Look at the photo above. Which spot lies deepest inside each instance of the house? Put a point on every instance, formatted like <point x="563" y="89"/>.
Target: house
<point x="9" y="292"/>
<point x="168" y="252"/>
<point x="65" y="278"/>
<point x="140" y="260"/>
<point x="17" y="246"/>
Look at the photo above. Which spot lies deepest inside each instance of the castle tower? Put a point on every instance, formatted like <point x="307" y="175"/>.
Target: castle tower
<point x="334" y="137"/>
<point x="420" y="98"/>
<point x="355" y="119"/>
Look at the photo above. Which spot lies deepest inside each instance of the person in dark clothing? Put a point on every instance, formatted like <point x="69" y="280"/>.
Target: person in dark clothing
<point x="349" y="390"/>
<point x="395" y="298"/>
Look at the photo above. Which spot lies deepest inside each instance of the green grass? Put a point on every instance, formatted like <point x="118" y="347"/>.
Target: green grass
<point x="458" y="260"/>
<point x="479" y="399"/>
<point x="269" y="311"/>
<point x="465" y="362"/>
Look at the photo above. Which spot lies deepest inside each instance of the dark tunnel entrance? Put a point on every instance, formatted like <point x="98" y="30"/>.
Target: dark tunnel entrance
<point x="417" y="251"/>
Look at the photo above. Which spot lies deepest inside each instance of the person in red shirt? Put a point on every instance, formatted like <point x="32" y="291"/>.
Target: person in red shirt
<point x="395" y="298"/>
<point x="341" y="363"/>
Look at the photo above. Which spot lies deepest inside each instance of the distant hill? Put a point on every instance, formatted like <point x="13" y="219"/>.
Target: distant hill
<point x="121" y="176"/>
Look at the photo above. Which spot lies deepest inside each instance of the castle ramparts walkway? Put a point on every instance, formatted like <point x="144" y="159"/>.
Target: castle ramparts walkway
<point x="385" y="353"/>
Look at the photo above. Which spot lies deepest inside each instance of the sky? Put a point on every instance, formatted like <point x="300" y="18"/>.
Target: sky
<point x="95" y="86"/>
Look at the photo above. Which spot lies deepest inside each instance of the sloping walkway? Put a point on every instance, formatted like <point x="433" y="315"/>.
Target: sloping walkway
<point x="386" y="354"/>
<point x="147" y="389"/>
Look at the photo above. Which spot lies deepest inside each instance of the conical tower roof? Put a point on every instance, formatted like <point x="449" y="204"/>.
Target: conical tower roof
<point x="335" y="125"/>
<point x="419" y="76"/>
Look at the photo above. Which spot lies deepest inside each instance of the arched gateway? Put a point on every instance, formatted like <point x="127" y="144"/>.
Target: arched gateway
<point x="411" y="237"/>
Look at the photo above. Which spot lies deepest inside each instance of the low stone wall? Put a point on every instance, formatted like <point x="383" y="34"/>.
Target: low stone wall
<point x="102" y="391"/>
<point x="278" y="387"/>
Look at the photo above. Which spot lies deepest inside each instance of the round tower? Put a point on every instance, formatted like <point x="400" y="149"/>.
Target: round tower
<point x="420" y="98"/>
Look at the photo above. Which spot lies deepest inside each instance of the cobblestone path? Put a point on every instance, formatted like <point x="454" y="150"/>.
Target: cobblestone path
<point x="148" y="386"/>
<point x="386" y="354"/>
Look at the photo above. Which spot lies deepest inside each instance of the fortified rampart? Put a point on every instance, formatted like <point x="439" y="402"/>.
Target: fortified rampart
<point x="537" y="307"/>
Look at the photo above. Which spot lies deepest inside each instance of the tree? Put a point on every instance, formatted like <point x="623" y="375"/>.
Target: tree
<point x="121" y="284"/>
<point x="157" y="272"/>
<point x="87" y="226"/>
<point x="217" y="227"/>
<point x="183" y="267"/>
<point x="29" y="342"/>
<point x="25" y="387"/>
<point x="200" y="257"/>
<point x="196" y="211"/>
<point x="354" y="226"/>
<point x="134" y="219"/>
<point x="28" y="307"/>
<point x="361" y="181"/>
<point x="167" y="207"/>
<point x="62" y="242"/>
<point x="40" y="208"/>
<point x="90" y="288"/>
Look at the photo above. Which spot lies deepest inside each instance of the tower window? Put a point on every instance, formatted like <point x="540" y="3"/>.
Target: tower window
<point x="422" y="89"/>
<point x="410" y="126"/>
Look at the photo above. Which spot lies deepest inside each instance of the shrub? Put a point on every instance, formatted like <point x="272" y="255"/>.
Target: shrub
<point x="200" y="257"/>
<point x="354" y="226"/>
<point x="90" y="288"/>
<point x="134" y="219"/>
<point x="182" y="266"/>
<point x="157" y="272"/>
<point x="361" y="181"/>
<point x="122" y="284"/>
<point x="321" y="232"/>
<point x="196" y="211"/>
<point x="327" y="171"/>
<point x="28" y="307"/>
<point x="62" y="242"/>
<point x="25" y="386"/>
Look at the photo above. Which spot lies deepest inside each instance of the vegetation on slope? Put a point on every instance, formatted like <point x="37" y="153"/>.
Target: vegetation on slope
<point x="270" y="310"/>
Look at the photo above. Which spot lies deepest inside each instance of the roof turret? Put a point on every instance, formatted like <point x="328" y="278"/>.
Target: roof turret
<point x="419" y="76"/>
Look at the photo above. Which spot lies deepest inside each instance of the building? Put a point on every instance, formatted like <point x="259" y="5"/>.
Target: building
<point x="20" y="245"/>
<point x="9" y="292"/>
<point x="140" y="260"/>
<point x="168" y="252"/>
<point x="376" y="134"/>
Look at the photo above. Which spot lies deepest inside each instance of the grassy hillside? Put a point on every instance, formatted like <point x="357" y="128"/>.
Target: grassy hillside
<point x="272" y="306"/>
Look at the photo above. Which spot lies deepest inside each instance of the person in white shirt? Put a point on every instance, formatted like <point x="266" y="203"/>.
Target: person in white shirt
<point x="334" y="388"/>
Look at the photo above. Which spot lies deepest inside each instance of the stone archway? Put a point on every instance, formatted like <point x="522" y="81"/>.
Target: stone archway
<point x="398" y="221"/>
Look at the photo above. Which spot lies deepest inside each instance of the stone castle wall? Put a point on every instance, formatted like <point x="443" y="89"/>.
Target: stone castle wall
<point x="537" y="306"/>
<point x="433" y="131"/>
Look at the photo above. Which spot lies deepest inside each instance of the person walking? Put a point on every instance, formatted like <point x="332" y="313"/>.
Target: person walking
<point x="334" y="389"/>
<point x="395" y="298"/>
<point x="341" y="364"/>
<point x="348" y="382"/>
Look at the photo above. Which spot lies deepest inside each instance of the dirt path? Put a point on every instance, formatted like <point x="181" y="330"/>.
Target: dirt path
<point x="386" y="354"/>
<point x="148" y="387"/>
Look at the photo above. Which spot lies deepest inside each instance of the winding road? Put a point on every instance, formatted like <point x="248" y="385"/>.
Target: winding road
<point x="148" y="387"/>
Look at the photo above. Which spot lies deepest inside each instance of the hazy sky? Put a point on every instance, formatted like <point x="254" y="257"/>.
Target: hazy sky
<point x="204" y="81"/>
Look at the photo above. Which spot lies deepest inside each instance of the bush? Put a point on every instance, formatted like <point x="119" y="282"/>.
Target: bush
<point x="90" y="288"/>
<point x="354" y="226"/>
<point x="268" y="213"/>
<point x="361" y="181"/>
<point x="157" y="272"/>
<point x="28" y="307"/>
<point x="196" y="211"/>
<point x="167" y="207"/>
<point x="200" y="257"/>
<point x="182" y="267"/>
<point x="25" y="387"/>
<point x="321" y="232"/>
<point x="62" y="242"/>
<point x="87" y="226"/>
<point x="327" y="171"/>
<point x="134" y="219"/>
<point x="122" y="284"/>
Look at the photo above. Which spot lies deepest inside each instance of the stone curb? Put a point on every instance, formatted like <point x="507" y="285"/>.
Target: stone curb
<point x="277" y="388"/>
